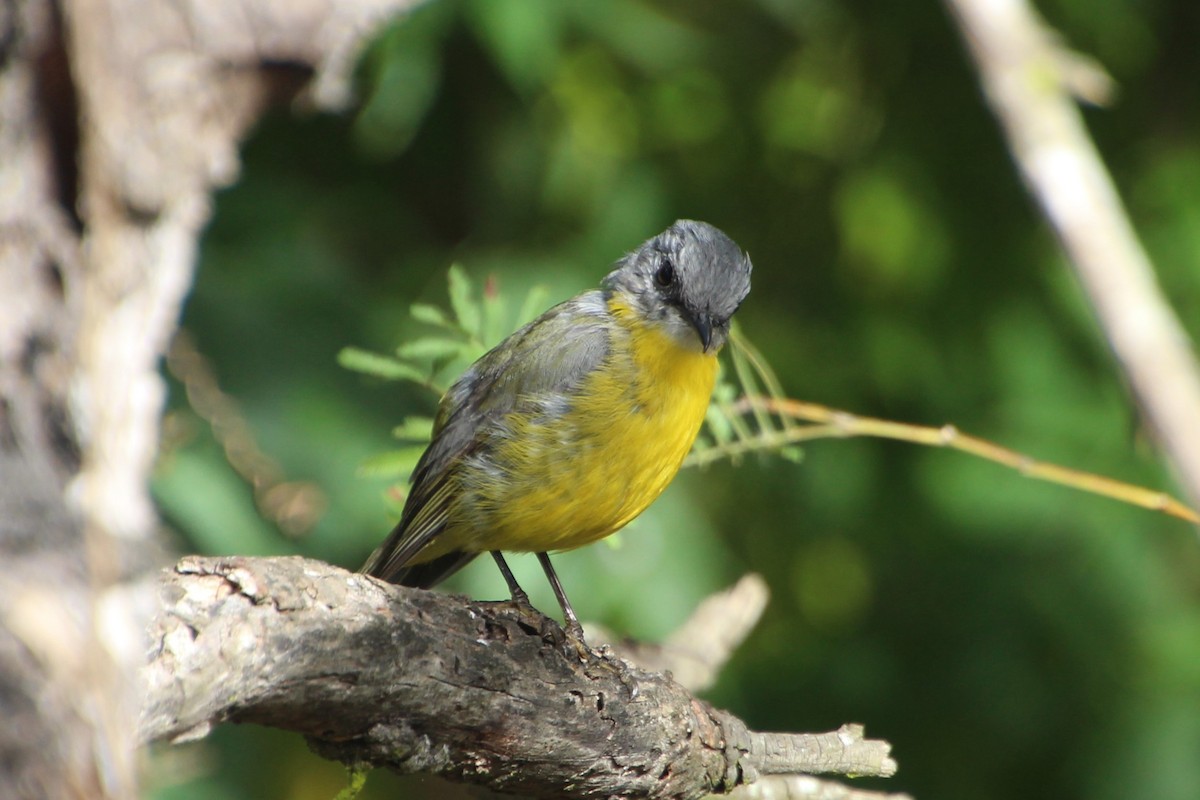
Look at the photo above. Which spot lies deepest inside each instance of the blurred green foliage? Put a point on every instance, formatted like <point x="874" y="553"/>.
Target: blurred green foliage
<point x="1011" y="638"/>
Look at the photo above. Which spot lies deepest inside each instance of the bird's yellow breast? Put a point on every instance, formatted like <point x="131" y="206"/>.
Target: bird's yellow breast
<point x="565" y="481"/>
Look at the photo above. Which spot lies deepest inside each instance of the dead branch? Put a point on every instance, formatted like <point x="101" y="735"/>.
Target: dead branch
<point x="1032" y="82"/>
<point x="806" y="787"/>
<point x="420" y="681"/>
<point x="695" y="653"/>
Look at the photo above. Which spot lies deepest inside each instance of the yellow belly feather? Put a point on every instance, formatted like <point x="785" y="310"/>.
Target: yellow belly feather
<point x="588" y="474"/>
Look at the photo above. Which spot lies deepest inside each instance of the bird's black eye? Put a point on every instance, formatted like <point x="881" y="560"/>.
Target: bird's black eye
<point x="664" y="276"/>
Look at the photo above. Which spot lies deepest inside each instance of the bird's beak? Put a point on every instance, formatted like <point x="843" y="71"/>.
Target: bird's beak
<point x="703" y="324"/>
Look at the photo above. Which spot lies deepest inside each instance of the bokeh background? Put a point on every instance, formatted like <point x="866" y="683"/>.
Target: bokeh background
<point x="1010" y="638"/>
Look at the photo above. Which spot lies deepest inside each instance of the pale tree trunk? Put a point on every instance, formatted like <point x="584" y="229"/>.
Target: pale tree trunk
<point x="117" y="120"/>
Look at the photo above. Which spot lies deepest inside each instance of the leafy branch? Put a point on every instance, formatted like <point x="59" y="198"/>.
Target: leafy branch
<point x="749" y="412"/>
<point x="478" y="319"/>
<point x="775" y="419"/>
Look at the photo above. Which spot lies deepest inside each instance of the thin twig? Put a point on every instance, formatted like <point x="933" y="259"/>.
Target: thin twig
<point x="1021" y="64"/>
<point x="831" y="423"/>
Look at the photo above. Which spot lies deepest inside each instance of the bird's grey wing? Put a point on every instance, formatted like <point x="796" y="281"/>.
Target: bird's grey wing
<point x="545" y="359"/>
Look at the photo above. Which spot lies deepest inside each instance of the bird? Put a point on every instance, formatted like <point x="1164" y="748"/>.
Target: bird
<point x="571" y="427"/>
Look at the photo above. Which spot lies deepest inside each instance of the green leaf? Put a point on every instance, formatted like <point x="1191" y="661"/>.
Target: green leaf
<point x="402" y="74"/>
<point x="494" y="322"/>
<point x="792" y="452"/>
<point x="535" y="304"/>
<point x="523" y="36"/>
<point x="718" y="424"/>
<point x="423" y="312"/>
<point x="392" y="464"/>
<point x="462" y="300"/>
<point x="391" y="117"/>
<point x="414" y="429"/>
<point x="725" y="392"/>
<point x="212" y="504"/>
<point x="433" y="348"/>
<point x="380" y="366"/>
<point x="356" y="780"/>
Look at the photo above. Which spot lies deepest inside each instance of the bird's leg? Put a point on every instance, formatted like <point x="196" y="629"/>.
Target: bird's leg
<point x="574" y="629"/>
<point x="519" y="598"/>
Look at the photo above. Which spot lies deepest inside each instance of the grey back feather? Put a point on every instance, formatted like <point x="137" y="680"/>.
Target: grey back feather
<point x="541" y="364"/>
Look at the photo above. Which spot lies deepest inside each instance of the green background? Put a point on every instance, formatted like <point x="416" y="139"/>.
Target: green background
<point x="1010" y="638"/>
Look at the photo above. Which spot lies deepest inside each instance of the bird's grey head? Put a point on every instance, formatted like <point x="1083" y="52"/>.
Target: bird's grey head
<point x="690" y="279"/>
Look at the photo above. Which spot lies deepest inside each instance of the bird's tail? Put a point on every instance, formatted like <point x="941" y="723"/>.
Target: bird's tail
<point x="420" y="576"/>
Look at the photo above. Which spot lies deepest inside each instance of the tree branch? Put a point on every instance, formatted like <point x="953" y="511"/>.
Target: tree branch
<point x="424" y="682"/>
<point x="1031" y="82"/>
<point x="695" y="653"/>
<point x="806" y="787"/>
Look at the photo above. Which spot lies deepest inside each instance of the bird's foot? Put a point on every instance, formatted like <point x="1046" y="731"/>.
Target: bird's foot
<point x="574" y="644"/>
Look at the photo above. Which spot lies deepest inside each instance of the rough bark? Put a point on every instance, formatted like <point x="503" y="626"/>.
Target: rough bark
<point x="117" y="120"/>
<point x="418" y="681"/>
<point x="53" y="676"/>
